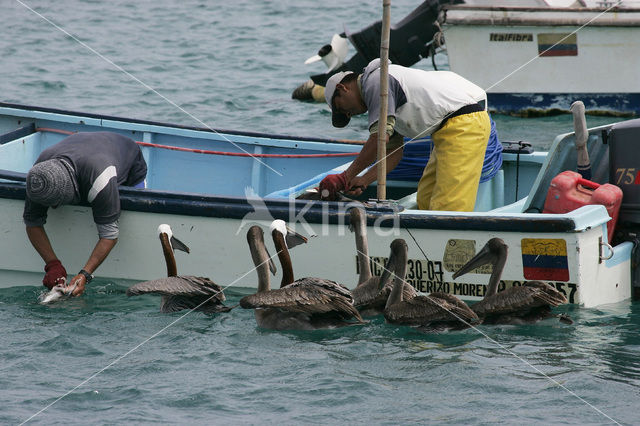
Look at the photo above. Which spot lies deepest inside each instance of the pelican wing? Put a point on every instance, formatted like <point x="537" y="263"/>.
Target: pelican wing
<point x="207" y="304"/>
<point x="326" y="285"/>
<point x="185" y="285"/>
<point x="419" y="310"/>
<point x="456" y="308"/>
<point x="368" y="295"/>
<point x="408" y="292"/>
<point x="532" y="294"/>
<point x="422" y="310"/>
<point x="546" y="293"/>
<point x="306" y="295"/>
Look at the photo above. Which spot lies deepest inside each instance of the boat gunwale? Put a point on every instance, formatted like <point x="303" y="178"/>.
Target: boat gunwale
<point x="27" y="108"/>
<point x="225" y="207"/>
<point x="512" y="16"/>
<point x="208" y="205"/>
<point x="448" y="7"/>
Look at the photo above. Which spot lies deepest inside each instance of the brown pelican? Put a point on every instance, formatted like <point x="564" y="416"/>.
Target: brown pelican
<point x="285" y="238"/>
<point x="303" y="304"/>
<point x="180" y="291"/>
<point x="437" y="311"/>
<point x="516" y="305"/>
<point x="371" y="294"/>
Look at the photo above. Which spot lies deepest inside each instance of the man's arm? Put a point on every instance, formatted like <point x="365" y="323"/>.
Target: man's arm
<point x="98" y="255"/>
<point x="105" y="206"/>
<point x="364" y="159"/>
<point x="40" y="242"/>
<point x="359" y="183"/>
<point x="54" y="270"/>
<point x="331" y="184"/>
<point x="100" y="252"/>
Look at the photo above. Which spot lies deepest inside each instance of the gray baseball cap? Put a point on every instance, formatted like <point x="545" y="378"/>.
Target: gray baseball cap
<point x="337" y="119"/>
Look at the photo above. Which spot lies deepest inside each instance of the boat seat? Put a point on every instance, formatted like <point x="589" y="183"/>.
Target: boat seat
<point x="562" y="156"/>
<point x="17" y="133"/>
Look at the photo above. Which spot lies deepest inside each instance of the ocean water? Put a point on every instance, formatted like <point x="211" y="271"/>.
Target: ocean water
<point x="104" y="358"/>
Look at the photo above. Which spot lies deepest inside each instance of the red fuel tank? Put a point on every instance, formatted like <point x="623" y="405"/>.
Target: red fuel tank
<point x="568" y="191"/>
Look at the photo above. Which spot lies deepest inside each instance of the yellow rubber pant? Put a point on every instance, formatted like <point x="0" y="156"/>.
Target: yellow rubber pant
<point x="451" y="177"/>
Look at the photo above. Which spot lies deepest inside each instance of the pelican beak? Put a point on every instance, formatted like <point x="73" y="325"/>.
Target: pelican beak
<point x="294" y="239"/>
<point x="356" y="217"/>
<point x="387" y="271"/>
<point x="483" y="257"/>
<point x="272" y="266"/>
<point x="178" y="245"/>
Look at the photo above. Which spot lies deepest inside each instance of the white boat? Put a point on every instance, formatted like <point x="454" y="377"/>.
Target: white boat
<point x="533" y="57"/>
<point x="540" y="59"/>
<point x="196" y="187"/>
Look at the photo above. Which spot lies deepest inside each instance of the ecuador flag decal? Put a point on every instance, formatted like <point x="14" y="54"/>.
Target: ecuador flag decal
<point x="557" y="44"/>
<point x="545" y="259"/>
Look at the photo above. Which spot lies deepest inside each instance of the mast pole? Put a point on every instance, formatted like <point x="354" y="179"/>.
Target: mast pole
<point x="384" y="96"/>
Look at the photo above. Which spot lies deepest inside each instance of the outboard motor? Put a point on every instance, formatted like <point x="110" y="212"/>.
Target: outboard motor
<point x="624" y="168"/>
<point x="624" y="171"/>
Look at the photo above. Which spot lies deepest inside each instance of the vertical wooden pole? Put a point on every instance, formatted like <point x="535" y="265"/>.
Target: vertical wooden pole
<point x="384" y="96"/>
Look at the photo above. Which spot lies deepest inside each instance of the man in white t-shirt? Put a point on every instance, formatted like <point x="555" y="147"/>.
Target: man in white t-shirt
<point x="438" y="103"/>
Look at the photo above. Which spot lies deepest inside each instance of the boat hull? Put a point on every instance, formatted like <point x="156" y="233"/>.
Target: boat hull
<point x="220" y="252"/>
<point x="540" y="60"/>
<point x="568" y="250"/>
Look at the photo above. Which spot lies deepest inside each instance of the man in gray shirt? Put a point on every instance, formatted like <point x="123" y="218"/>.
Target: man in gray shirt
<point x="84" y="167"/>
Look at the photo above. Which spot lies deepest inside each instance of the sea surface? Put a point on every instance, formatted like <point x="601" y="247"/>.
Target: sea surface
<point x="104" y="358"/>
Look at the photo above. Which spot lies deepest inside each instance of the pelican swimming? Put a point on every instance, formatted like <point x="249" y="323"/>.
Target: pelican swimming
<point x="180" y="291"/>
<point x="371" y="294"/>
<point x="436" y="312"/>
<point x="525" y="304"/>
<point x="303" y="304"/>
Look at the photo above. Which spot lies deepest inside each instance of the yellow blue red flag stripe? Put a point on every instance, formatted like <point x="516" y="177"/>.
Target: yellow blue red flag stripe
<point x="545" y="259"/>
<point x="557" y="45"/>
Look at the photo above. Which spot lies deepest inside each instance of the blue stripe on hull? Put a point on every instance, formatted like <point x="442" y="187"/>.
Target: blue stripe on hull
<point x="544" y="261"/>
<point x="627" y="104"/>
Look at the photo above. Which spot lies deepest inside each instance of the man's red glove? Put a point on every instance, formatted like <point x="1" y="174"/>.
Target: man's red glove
<point x="55" y="274"/>
<point x="331" y="184"/>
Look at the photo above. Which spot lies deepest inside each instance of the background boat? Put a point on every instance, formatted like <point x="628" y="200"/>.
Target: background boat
<point x="533" y="57"/>
<point x="568" y="54"/>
